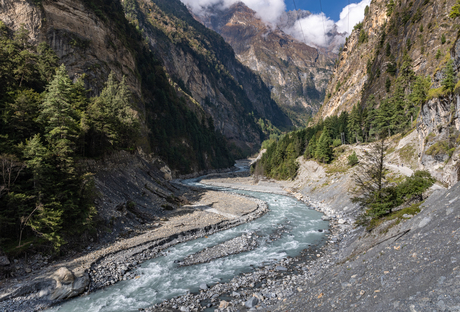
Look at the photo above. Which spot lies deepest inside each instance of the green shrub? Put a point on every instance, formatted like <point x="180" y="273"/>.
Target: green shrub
<point x="455" y="11"/>
<point x="438" y="54"/>
<point x="438" y="148"/>
<point x="353" y="159"/>
<point x="435" y="93"/>
<point x="336" y="142"/>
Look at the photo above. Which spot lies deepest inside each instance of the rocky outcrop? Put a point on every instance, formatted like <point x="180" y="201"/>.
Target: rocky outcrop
<point x="296" y="73"/>
<point x="81" y="40"/>
<point x="438" y="129"/>
<point x="350" y="74"/>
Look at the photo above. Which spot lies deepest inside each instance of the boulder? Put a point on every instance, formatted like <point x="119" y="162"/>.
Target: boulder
<point x="4" y="261"/>
<point x="223" y="304"/>
<point x="68" y="285"/>
<point x="280" y="268"/>
<point x="251" y="303"/>
<point x="204" y="286"/>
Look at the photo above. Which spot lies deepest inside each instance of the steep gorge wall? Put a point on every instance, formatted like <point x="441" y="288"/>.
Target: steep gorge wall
<point x="415" y="28"/>
<point x="296" y="73"/>
<point x="81" y="40"/>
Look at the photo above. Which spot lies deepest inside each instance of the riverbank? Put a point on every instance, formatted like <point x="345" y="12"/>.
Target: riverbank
<point x="268" y="285"/>
<point x="101" y="266"/>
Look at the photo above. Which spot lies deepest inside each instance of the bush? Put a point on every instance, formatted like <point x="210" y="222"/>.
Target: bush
<point x="336" y="142"/>
<point x="353" y="159"/>
<point x="438" y="54"/>
<point x="435" y="93"/>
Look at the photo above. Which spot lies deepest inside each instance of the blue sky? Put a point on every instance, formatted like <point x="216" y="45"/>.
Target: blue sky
<point x="331" y="8"/>
<point x="311" y="29"/>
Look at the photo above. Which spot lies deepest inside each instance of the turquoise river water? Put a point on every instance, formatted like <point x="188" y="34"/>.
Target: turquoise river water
<point x="161" y="279"/>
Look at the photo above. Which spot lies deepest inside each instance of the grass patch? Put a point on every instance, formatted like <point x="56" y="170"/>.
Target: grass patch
<point x="441" y="147"/>
<point x="336" y="168"/>
<point x="457" y="88"/>
<point x="407" y="153"/>
<point x="429" y="137"/>
<point x="397" y="215"/>
<point x="436" y="93"/>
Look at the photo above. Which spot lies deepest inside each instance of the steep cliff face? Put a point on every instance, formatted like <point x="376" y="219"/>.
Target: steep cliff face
<point x="84" y="42"/>
<point x="350" y="73"/>
<point x="296" y="73"/>
<point x="187" y="84"/>
<point x="396" y="42"/>
<point x="204" y="66"/>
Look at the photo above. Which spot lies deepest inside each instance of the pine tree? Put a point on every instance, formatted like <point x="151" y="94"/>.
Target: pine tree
<point x="112" y="118"/>
<point x="420" y="90"/>
<point x="60" y="118"/>
<point x="448" y="83"/>
<point x="323" y="149"/>
<point x="383" y="118"/>
<point x="398" y="120"/>
<point x="354" y="124"/>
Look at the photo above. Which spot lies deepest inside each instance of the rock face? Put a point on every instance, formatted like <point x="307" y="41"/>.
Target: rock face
<point x="204" y="67"/>
<point x="296" y="73"/>
<point x="416" y="29"/>
<point x="79" y="37"/>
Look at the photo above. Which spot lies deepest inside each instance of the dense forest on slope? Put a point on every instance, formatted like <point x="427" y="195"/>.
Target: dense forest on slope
<point x="49" y="124"/>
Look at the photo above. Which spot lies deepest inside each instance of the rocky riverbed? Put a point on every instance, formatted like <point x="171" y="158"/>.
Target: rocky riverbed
<point x="245" y="242"/>
<point x="264" y="286"/>
<point x="101" y="266"/>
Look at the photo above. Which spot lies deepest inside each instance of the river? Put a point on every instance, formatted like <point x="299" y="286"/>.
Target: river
<point x="289" y="227"/>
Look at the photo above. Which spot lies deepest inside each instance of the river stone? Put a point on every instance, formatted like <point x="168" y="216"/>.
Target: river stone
<point x="63" y="275"/>
<point x="204" y="286"/>
<point x="223" y="304"/>
<point x="251" y="303"/>
<point x="4" y="261"/>
<point x="280" y="268"/>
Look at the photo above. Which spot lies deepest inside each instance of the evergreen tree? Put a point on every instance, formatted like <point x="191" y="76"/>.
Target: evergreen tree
<point x="323" y="149"/>
<point x="354" y="124"/>
<point x="398" y="119"/>
<point x="113" y="121"/>
<point x="448" y="83"/>
<point x="420" y="90"/>
<point x="311" y="148"/>
<point x="60" y="118"/>
<point x="383" y="118"/>
<point x="388" y="84"/>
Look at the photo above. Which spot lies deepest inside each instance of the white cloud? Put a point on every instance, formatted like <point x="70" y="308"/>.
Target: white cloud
<point x="311" y="30"/>
<point x="351" y="15"/>
<point x="268" y="10"/>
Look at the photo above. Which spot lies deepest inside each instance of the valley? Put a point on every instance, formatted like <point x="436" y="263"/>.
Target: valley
<point x="121" y="122"/>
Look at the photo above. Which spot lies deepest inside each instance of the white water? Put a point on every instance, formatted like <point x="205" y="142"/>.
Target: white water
<point x="161" y="279"/>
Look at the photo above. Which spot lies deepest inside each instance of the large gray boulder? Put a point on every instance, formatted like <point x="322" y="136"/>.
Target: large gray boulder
<point x="68" y="285"/>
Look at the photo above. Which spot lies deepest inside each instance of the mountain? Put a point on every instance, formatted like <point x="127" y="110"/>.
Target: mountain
<point x="404" y="56"/>
<point x="202" y="65"/>
<point x="188" y="87"/>
<point x="296" y="73"/>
